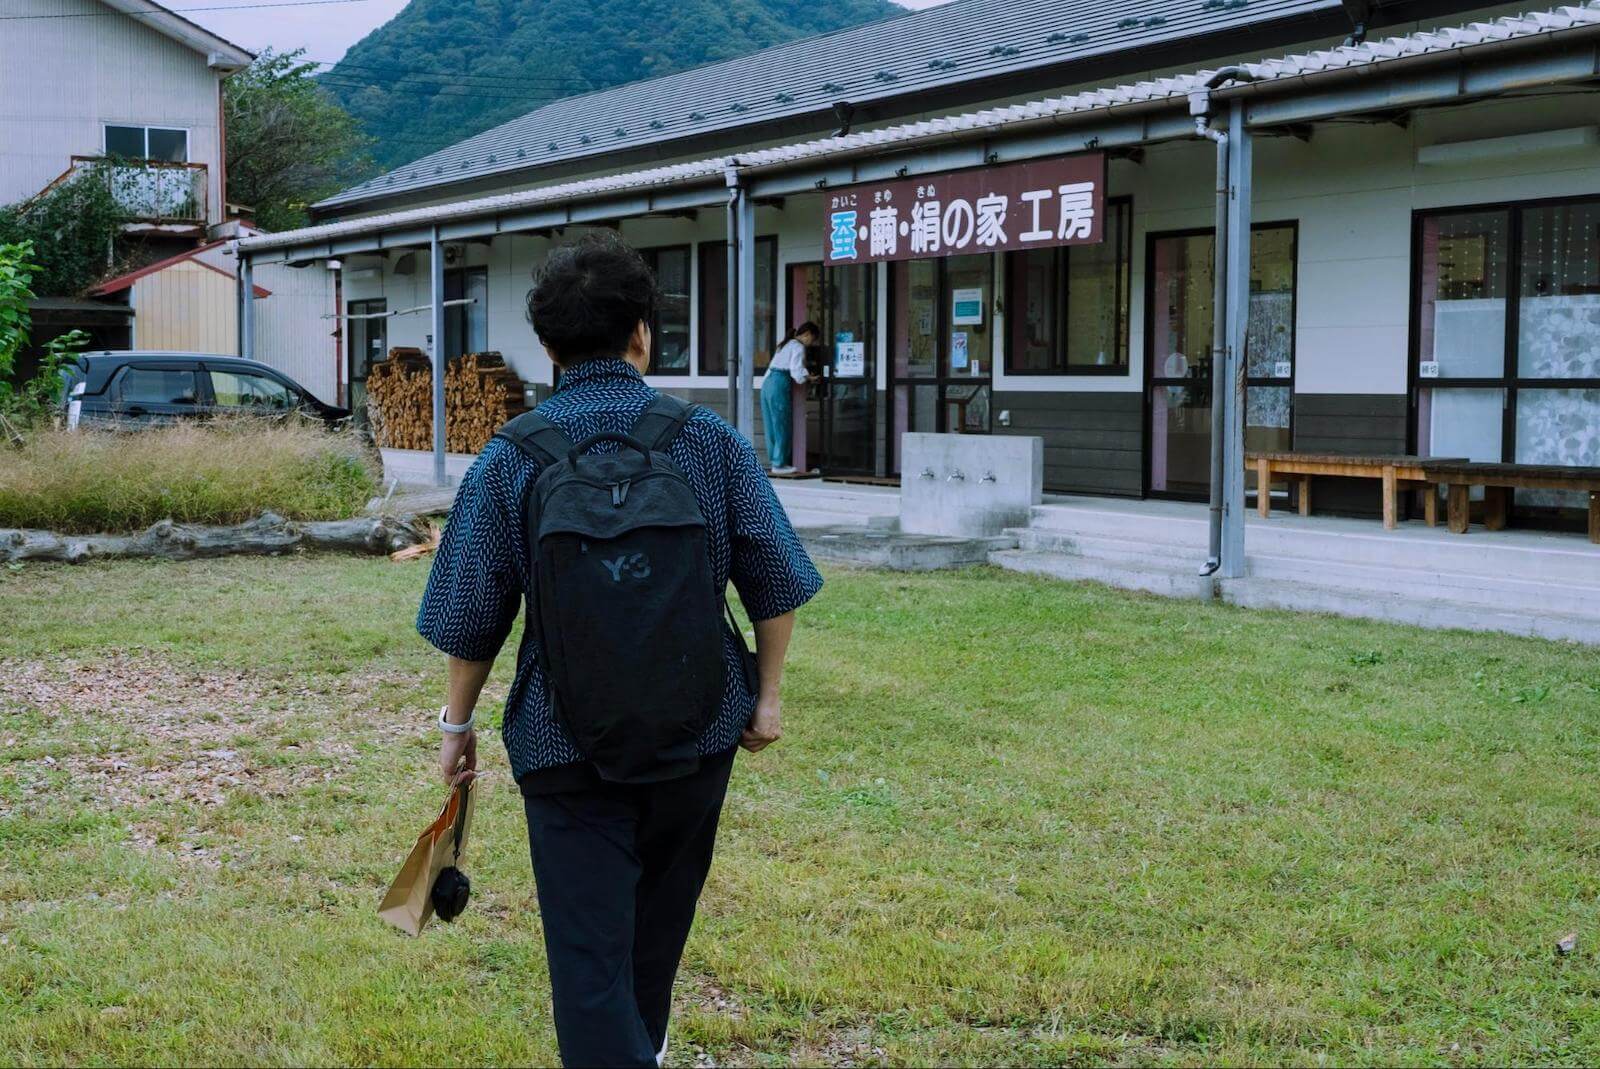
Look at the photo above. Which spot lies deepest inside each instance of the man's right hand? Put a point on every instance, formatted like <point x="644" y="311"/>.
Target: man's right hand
<point x="458" y="757"/>
<point x="766" y="726"/>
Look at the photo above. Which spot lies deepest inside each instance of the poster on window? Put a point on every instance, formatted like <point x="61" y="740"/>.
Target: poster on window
<point x="1037" y="204"/>
<point x="958" y="350"/>
<point x="966" y="308"/>
<point x="850" y="359"/>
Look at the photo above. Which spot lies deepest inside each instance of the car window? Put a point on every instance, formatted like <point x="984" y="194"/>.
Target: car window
<point x="246" y="389"/>
<point x="156" y="386"/>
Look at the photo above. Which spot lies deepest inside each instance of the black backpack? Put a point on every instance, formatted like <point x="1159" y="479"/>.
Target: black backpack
<point x="624" y="608"/>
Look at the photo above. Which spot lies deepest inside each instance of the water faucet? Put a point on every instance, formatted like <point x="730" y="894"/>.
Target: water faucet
<point x="988" y="477"/>
<point x="956" y="474"/>
<point x="927" y="473"/>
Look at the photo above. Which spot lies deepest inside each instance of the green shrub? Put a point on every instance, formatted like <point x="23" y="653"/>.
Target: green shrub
<point x="214" y="473"/>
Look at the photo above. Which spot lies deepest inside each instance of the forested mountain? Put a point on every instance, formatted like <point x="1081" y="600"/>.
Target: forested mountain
<point x="442" y="70"/>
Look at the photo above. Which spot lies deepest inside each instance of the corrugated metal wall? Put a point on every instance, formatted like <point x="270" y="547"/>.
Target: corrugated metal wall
<point x="63" y="78"/>
<point x="186" y="307"/>
<point x="291" y="333"/>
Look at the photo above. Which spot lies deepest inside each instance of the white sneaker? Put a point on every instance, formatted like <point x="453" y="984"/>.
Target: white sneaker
<point x="787" y="469"/>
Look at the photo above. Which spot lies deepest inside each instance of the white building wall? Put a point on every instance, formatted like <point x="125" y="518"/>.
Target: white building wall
<point x="63" y="78"/>
<point x="1352" y="190"/>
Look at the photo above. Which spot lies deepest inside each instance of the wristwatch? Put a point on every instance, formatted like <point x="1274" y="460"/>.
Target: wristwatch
<point x="455" y="729"/>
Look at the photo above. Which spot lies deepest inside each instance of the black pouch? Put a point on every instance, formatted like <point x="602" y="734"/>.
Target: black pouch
<point x="452" y="888"/>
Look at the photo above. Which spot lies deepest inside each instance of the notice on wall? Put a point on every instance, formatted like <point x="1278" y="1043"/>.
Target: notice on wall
<point x="966" y="308"/>
<point x="958" y="350"/>
<point x="850" y="359"/>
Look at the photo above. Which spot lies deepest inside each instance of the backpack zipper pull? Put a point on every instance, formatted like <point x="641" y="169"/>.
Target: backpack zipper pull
<point x="619" y="493"/>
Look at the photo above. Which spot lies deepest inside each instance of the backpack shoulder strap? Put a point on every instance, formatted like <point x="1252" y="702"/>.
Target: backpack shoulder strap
<point x="662" y="421"/>
<point x="538" y="437"/>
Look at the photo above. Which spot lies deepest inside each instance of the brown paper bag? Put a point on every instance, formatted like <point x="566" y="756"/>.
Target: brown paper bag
<point x="409" y="903"/>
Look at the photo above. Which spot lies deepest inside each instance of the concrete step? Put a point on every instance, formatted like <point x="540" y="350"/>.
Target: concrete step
<point x="1509" y="591"/>
<point x="1526" y="555"/>
<point x="882" y="548"/>
<point x="1152" y="578"/>
<point x="832" y="498"/>
<point x="1101" y="547"/>
<point x="808" y="517"/>
<point x="1261" y="593"/>
<point x="1153" y="529"/>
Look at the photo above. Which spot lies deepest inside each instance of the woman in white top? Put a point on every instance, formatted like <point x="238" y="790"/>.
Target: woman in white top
<point x="777" y="389"/>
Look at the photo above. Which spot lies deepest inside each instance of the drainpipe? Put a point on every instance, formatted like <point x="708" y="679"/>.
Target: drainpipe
<point x="247" y="310"/>
<point x="1200" y="108"/>
<point x="730" y="350"/>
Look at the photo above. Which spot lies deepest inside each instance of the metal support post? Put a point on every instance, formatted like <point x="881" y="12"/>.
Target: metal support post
<point x="731" y="297"/>
<point x="1231" y="384"/>
<point x="747" y="316"/>
<point x="247" y="309"/>
<point x="436" y="273"/>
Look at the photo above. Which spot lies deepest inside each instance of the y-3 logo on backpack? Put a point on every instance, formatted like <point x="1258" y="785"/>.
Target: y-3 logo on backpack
<point x="632" y="565"/>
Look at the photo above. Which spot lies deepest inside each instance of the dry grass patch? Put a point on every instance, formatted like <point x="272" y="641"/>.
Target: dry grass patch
<point x="217" y="472"/>
<point x="141" y="731"/>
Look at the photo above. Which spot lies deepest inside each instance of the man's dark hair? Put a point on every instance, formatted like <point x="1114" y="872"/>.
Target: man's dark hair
<point x="588" y="297"/>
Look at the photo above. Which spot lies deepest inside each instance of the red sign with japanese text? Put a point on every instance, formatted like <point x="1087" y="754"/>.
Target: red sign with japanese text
<point x="1029" y="205"/>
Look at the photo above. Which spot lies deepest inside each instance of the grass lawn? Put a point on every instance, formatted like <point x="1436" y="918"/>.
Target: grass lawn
<point x="1012" y="822"/>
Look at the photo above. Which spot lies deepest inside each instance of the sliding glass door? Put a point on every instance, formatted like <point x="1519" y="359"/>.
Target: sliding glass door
<point x="942" y="338"/>
<point x="1179" y="375"/>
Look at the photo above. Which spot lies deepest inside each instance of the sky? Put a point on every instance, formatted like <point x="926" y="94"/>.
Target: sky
<point x="324" y="28"/>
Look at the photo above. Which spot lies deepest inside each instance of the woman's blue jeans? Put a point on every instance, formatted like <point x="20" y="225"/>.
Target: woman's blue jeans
<point x="777" y="414"/>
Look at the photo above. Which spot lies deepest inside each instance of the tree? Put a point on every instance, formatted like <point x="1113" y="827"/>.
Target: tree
<point x="16" y="288"/>
<point x="288" y="142"/>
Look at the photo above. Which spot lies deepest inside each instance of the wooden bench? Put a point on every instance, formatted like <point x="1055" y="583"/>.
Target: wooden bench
<point x="1499" y="480"/>
<point x="1395" y="472"/>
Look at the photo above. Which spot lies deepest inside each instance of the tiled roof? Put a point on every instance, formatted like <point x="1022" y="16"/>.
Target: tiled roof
<point x="1369" y="54"/>
<point x="965" y="41"/>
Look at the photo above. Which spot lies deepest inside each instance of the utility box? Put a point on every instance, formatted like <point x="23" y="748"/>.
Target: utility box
<point x="969" y="485"/>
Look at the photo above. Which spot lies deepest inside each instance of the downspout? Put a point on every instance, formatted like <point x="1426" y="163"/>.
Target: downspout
<point x="730" y="300"/>
<point x="1200" y="108"/>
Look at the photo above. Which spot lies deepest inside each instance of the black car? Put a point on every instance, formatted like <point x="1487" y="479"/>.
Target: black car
<point x="149" y="388"/>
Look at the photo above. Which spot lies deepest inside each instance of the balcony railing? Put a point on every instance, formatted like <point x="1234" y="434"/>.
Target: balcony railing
<point x="150" y="191"/>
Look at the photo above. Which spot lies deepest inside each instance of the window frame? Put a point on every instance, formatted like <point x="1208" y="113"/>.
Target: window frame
<point x="202" y="384"/>
<point x="702" y="333"/>
<point x="1510" y="381"/>
<point x="651" y="256"/>
<point x="457" y="278"/>
<point x="296" y="396"/>
<point x="145" y="128"/>
<point x="1124" y="292"/>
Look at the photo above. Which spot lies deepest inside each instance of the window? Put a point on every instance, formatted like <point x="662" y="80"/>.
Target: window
<point x="1507" y="337"/>
<point x="157" y="143"/>
<point x="246" y="389"/>
<point x="669" y="342"/>
<point x="1069" y="306"/>
<point x="466" y="326"/>
<point x="156" y="386"/>
<point x="714" y="305"/>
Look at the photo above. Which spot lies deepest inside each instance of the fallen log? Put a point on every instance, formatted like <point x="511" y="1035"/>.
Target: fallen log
<point x="266" y="535"/>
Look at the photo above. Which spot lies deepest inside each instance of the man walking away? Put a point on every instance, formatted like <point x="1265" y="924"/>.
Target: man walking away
<point x="619" y="515"/>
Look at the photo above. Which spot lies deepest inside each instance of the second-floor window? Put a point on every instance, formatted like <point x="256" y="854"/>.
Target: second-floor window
<point x="158" y="143"/>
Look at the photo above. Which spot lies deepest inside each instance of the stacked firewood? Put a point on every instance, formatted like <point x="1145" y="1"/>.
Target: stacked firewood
<point x="480" y="394"/>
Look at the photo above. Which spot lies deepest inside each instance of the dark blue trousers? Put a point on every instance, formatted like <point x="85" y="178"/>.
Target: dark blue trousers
<point x="619" y="869"/>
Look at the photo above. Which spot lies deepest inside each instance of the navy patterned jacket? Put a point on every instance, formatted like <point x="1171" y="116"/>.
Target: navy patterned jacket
<point x="479" y="576"/>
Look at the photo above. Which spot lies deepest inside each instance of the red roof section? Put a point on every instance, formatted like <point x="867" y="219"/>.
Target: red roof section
<point x="122" y="282"/>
